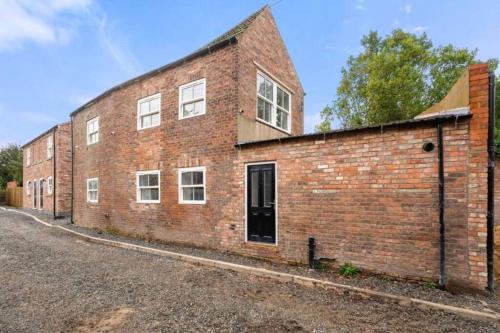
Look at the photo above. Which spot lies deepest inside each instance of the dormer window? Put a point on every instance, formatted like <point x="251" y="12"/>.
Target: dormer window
<point x="273" y="103"/>
<point x="192" y="99"/>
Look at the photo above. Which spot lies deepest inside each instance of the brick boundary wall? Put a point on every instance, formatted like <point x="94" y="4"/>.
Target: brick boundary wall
<point x="371" y="197"/>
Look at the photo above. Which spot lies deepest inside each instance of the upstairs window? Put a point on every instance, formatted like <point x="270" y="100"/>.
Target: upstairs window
<point x="50" y="185"/>
<point x="192" y="185"/>
<point x="93" y="131"/>
<point x="192" y="99"/>
<point x="93" y="190"/>
<point x="148" y="112"/>
<point x="273" y="103"/>
<point x="28" y="156"/>
<point x="50" y="147"/>
<point x="148" y="186"/>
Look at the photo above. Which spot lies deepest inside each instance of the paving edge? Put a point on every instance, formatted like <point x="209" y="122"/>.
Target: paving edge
<point x="284" y="277"/>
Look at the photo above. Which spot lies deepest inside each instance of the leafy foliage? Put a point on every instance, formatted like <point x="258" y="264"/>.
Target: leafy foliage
<point x="395" y="78"/>
<point x="348" y="270"/>
<point x="11" y="164"/>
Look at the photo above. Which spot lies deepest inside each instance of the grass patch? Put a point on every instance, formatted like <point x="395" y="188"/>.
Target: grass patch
<point x="429" y="285"/>
<point x="349" y="270"/>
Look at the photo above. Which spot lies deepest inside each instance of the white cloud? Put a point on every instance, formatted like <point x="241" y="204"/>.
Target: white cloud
<point x="407" y="9"/>
<point x="360" y="5"/>
<point x="37" y="21"/>
<point x="419" y="29"/>
<point x="114" y="44"/>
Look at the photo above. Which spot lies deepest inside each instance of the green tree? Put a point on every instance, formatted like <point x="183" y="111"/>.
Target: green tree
<point x="326" y="120"/>
<point x="395" y="78"/>
<point x="11" y="165"/>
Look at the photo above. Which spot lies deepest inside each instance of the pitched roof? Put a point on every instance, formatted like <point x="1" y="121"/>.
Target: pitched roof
<point x="226" y="38"/>
<point x="236" y="30"/>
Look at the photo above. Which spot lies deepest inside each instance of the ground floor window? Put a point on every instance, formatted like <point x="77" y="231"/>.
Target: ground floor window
<point x="50" y="185"/>
<point x="192" y="185"/>
<point x="28" y="185"/>
<point x="92" y="189"/>
<point x="148" y="186"/>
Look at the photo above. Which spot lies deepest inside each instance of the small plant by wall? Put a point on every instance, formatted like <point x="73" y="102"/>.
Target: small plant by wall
<point x="349" y="270"/>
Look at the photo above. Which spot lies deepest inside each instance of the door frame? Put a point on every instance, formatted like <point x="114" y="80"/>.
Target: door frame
<point x="275" y="200"/>
<point x="40" y="194"/>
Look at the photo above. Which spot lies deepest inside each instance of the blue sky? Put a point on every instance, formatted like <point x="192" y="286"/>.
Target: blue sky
<point x="57" y="54"/>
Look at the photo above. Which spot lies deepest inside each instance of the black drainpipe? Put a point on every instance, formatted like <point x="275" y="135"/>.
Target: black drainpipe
<point x="442" y="268"/>
<point x="490" y="217"/>
<point x="54" y="182"/>
<point x="72" y="167"/>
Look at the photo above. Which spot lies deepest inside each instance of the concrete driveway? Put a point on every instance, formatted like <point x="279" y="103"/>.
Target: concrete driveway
<point x="53" y="282"/>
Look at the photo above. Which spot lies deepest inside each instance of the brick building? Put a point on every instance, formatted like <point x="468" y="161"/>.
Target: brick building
<point x="47" y="171"/>
<point x="209" y="151"/>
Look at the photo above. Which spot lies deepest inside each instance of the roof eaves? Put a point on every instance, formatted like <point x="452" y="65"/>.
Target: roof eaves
<point x="229" y="37"/>
<point x="41" y="135"/>
<point x="356" y="129"/>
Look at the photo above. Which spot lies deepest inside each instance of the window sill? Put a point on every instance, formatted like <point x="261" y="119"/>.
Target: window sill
<point x="145" y="128"/>
<point x="193" y="116"/>
<point x="271" y="125"/>
<point x="192" y="202"/>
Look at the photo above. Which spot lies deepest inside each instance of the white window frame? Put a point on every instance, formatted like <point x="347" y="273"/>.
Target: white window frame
<point x="92" y="120"/>
<point x="181" y="103"/>
<point x="28" y="156"/>
<point x="97" y="190"/>
<point x="50" y="185"/>
<point x="138" y="188"/>
<point x="180" y="186"/>
<point x="143" y="100"/>
<point x="50" y="147"/>
<point x="274" y="103"/>
<point x="28" y="185"/>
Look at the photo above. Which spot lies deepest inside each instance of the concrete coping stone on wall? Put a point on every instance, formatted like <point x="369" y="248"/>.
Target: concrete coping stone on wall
<point x="283" y="277"/>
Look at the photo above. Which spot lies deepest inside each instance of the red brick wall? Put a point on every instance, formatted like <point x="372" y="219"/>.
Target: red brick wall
<point x="497" y="220"/>
<point x="371" y="197"/>
<point x="478" y="175"/>
<point x="262" y="43"/>
<point x="205" y="140"/>
<point x="42" y="167"/>
<point x="63" y="169"/>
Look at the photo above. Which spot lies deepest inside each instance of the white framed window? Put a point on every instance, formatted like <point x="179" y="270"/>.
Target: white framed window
<point x="28" y="186"/>
<point x="149" y="111"/>
<point x="50" y="185"/>
<point x="93" y="131"/>
<point x="148" y="186"/>
<point x="192" y="99"/>
<point x="50" y="147"/>
<point x="274" y="103"/>
<point x="92" y="190"/>
<point x="192" y="185"/>
<point x="28" y="156"/>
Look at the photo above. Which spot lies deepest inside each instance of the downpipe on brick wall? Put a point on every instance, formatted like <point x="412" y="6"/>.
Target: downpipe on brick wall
<point x="442" y="258"/>
<point x="490" y="215"/>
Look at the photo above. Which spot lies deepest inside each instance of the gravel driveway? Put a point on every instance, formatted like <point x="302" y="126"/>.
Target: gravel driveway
<point x="53" y="282"/>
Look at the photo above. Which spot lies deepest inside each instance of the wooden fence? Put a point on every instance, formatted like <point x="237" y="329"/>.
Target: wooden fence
<point x="14" y="197"/>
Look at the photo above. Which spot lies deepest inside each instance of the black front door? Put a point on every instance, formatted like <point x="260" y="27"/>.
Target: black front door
<point x="261" y="204"/>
